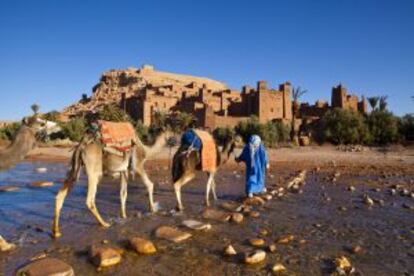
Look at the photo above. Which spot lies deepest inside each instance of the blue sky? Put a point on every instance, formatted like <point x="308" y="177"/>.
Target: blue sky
<point x="53" y="51"/>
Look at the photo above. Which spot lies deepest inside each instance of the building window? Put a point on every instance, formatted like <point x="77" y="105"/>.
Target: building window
<point x="271" y="110"/>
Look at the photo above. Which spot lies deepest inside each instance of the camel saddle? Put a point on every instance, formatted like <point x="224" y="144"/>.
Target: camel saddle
<point x="208" y="150"/>
<point x="117" y="137"/>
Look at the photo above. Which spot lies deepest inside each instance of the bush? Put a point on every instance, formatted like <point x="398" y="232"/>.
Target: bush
<point x="113" y="113"/>
<point x="223" y="134"/>
<point x="74" y="129"/>
<point x="9" y="131"/>
<point x="406" y="127"/>
<point x="142" y="131"/>
<point x="341" y="126"/>
<point x="52" y="116"/>
<point x="383" y="127"/>
<point x="271" y="133"/>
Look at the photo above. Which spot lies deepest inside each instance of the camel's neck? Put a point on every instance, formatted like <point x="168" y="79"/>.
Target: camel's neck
<point x="23" y="142"/>
<point x="225" y="152"/>
<point x="160" y="142"/>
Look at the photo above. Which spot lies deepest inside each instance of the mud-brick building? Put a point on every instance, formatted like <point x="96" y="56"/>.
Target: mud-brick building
<point x="212" y="109"/>
<point x="341" y="99"/>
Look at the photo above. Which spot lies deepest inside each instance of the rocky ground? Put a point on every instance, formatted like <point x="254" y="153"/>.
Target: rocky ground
<point x="327" y="211"/>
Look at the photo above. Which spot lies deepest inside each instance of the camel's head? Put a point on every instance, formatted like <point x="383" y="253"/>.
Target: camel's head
<point x="42" y="128"/>
<point x="236" y="142"/>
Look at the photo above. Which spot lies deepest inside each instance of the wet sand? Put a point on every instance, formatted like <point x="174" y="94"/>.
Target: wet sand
<point x="326" y="219"/>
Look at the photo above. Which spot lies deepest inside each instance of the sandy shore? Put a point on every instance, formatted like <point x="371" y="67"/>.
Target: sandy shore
<point x="312" y="154"/>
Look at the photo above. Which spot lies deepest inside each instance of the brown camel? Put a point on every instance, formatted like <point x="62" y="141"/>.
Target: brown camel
<point x="91" y="155"/>
<point x="187" y="161"/>
<point x="23" y="142"/>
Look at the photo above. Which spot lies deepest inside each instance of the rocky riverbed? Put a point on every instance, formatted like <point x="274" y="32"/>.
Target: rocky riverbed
<point x="340" y="214"/>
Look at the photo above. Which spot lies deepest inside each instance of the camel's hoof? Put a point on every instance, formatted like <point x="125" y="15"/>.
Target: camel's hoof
<point x="56" y="234"/>
<point x="179" y="209"/>
<point x="106" y="225"/>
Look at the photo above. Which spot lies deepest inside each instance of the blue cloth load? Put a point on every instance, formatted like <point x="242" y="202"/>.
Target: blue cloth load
<point x="190" y="138"/>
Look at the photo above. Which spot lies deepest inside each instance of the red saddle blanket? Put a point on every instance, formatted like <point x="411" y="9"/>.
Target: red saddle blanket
<point x="208" y="151"/>
<point x="119" y="136"/>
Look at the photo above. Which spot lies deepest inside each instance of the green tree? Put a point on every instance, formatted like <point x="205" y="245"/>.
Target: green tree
<point x="342" y="126"/>
<point x="406" y="127"/>
<point x="52" y="116"/>
<point x="373" y="102"/>
<point x="35" y="108"/>
<point x="383" y="127"/>
<point x="223" y="134"/>
<point x="113" y="113"/>
<point x="74" y="129"/>
<point x="383" y="103"/>
<point x="142" y="131"/>
<point x="271" y="133"/>
<point x="297" y="93"/>
<point x="9" y="131"/>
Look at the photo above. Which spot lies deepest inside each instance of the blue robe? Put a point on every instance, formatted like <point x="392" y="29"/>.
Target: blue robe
<point x="256" y="174"/>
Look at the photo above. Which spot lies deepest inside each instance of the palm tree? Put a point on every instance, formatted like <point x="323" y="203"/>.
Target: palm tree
<point x="297" y="93"/>
<point x="373" y="102"/>
<point x="383" y="103"/>
<point x="35" y="108"/>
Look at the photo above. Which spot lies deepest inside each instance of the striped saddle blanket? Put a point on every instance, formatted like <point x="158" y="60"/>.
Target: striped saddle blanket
<point x="117" y="137"/>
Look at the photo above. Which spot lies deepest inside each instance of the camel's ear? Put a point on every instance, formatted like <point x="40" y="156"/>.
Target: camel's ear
<point x="25" y="121"/>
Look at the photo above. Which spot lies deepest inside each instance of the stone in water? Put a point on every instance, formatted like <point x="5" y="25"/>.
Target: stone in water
<point x="47" y="267"/>
<point x="196" y="225"/>
<point x="171" y="234"/>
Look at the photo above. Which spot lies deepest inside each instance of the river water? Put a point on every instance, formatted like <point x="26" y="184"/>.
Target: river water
<point x="326" y="221"/>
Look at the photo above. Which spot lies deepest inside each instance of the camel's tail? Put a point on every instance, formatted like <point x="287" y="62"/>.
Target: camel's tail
<point x="75" y="167"/>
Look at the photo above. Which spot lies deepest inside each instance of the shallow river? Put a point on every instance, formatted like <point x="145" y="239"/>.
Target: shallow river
<point x="326" y="221"/>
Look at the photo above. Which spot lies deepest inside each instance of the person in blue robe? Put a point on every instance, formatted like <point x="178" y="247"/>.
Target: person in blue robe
<point x="255" y="157"/>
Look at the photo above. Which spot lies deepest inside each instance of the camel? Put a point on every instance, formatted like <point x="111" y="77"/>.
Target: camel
<point x="24" y="141"/>
<point x="90" y="155"/>
<point x="187" y="161"/>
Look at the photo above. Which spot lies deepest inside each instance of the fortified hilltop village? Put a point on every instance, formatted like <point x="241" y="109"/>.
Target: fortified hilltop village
<point x="145" y="91"/>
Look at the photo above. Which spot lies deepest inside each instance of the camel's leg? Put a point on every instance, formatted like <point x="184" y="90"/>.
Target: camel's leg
<point x="124" y="193"/>
<point x="148" y="183"/>
<point x="93" y="181"/>
<point x="93" y="160"/>
<point x="60" y="199"/>
<point x="208" y="187"/>
<point x="177" y="187"/>
<point x="213" y="188"/>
